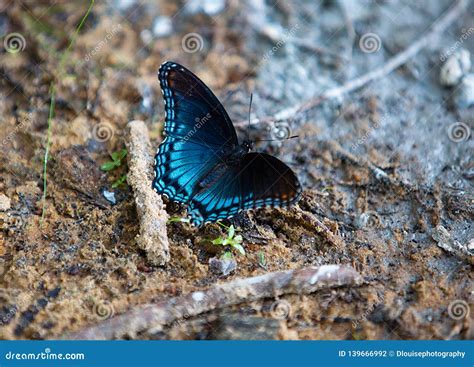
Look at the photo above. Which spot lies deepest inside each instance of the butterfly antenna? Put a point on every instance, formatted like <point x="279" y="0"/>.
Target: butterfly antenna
<point x="250" y="110"/>
<point x="288" y="138"/>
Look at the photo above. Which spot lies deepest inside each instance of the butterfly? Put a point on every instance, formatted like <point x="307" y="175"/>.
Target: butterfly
<point x="200" y="162"/>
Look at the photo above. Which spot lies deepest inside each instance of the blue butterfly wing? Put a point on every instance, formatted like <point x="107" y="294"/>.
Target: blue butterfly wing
<point x="179" y="165"/>
<point x="258" y="180"/>
<point x="193" y="112"/>
<point x="198" y="133"/>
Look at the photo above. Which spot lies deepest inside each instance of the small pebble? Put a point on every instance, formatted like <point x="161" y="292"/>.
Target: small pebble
<point x="162" y="27"/>
<point x="222" y="266"/>
<point x="209" y="7"/>
<point x="455" y="67"/>
<point x="109" y="196"/>
<point x="5" y="203"/>
<point x="464" y="96"/>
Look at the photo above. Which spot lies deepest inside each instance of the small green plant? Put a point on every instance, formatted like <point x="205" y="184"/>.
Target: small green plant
<point x="120" y="181"/>
<point x="231" y="240"/>
<point x="262" y="262"/>
<point x="227" y="256"/>
<point x="116" y="161"/>
<point x="178" y="219"/>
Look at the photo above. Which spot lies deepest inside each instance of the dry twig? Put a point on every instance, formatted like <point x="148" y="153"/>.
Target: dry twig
<point x="395" y="62"/>
<point x="154" y="316"/>
<point x="153" y="217"/>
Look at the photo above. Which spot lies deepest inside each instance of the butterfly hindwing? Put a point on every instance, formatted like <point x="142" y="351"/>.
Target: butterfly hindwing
<point x="178" y="167"/>
<point x="258" y="180"/>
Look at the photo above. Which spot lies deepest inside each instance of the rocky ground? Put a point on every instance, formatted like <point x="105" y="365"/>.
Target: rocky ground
<point x="387" y="168"/>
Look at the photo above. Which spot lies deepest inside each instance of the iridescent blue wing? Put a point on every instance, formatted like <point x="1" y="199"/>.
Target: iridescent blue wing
<point x="193" y="112"/>
<point x="198" y="131"/>
<point x="258" y="180"/>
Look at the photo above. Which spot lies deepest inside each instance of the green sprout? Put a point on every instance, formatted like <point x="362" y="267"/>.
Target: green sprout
<point x="116" y="161"/>
<point x="121" y="180"/>
<point x="178" y="219"/>
<point x="262" y="262"/>
<point x="227" y="256"/>
<point x="231" y="240"/>
<point x="52" y="105"/>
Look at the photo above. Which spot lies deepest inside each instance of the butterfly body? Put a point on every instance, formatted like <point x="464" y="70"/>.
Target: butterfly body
<point x="200" y="163"/>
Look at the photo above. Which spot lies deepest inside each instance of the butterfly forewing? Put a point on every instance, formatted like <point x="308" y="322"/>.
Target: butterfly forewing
<point x="193" y="112"/>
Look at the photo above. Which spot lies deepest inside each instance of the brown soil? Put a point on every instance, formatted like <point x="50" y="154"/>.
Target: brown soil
<point x="81" y="263"/>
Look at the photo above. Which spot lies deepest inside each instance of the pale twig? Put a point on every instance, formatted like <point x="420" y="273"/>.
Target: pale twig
<point x="395" y="62"/>
<point x="153" y="317"/>
<point x="150" y="208"/>
<point x="349" y="27"/>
